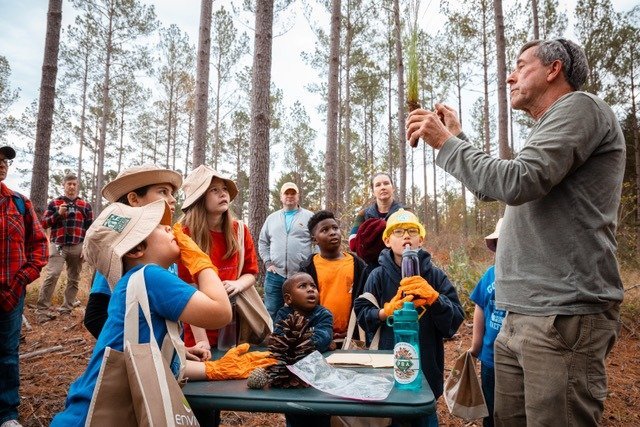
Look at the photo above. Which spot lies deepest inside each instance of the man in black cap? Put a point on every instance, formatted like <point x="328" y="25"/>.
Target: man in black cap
<point x="24" y="252"/>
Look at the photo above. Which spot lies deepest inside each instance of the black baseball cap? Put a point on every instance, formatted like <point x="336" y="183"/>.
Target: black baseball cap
<point x="9" y="153"/>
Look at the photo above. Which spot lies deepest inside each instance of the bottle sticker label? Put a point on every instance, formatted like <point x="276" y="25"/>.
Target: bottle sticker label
<point x="405" y="366"/>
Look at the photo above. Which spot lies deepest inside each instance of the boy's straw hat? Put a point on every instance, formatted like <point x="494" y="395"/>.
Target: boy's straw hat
<point x="139" y="176"/>
<point x="198" y="181"/>
<point x="402" y="217"/>
<point x="117" y="230"/>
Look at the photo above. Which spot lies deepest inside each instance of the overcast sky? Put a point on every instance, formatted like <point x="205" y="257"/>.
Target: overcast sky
<point x="23" y="24"/>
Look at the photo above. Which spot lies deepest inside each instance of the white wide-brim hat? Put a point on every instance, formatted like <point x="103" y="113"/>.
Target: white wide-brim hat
<point x="139" y="176"/>
<point x="197" y="182"/>
<point x="496" y="232"/>
<point x="117" y="230"/>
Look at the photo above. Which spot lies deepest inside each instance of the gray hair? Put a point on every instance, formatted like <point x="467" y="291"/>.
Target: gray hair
<point x="574" y="60"/>
<point x="70" y="177"/>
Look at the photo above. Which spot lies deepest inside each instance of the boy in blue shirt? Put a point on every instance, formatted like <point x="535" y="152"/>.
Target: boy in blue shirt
<point x="431" y="289"/>
<point x="123" y="240"/>
<point x="487" y="321"/>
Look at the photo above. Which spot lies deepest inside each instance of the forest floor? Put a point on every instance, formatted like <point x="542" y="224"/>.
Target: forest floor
<point x="45" y="378"/>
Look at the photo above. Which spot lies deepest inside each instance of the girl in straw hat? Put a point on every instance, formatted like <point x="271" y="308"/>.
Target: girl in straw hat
<point x="211" y="225"/>
<point x="136" y="186"/>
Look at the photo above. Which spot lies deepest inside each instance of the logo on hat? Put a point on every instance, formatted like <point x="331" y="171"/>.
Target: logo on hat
<point x="116" y="222"/>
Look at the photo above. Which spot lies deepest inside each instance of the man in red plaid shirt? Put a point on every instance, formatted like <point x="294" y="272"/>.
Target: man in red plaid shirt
<point x="69" y="217"/>
<point x="23" y="253"/>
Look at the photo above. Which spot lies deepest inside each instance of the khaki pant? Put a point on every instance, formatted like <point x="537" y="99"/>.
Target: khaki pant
<point x="70" y="254"/>
<point x="550" y="370"/>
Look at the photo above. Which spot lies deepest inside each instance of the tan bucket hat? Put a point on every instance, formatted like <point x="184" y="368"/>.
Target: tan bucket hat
<point x="496" y="232"/>
<point x="139" y="176"/>
<point x="117" y="230"/>
<point x="197" y="182"/>
<point x="492" y="239"/>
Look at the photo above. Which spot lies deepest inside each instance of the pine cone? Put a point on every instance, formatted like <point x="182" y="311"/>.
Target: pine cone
<point x="258" y="378"/>
<point x="294" y="344"/>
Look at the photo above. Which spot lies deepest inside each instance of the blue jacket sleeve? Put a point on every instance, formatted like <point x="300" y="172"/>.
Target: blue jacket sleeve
<point x="323" y="330"/>
<point x="446" y="312"/>
<point x="281" y="314"/>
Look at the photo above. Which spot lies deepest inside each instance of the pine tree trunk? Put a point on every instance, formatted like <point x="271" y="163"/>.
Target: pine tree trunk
<point x="106" y="107"/>
<point x="485" y="77"/>
<point x="347" y="112"/>
<point x="260" y="117"/>
<point x="331" y="151"/>
<point x="121" y="149"/>
<point x="402" y="144"/>
<point x="216" y="136"/>
<point x="83" y="114"/>
<point x="202" y="84"/>
<point x="536" y="24"/>
<point x="170" y="119"/>
<point x="635" y="131"/>
<point x="46" y="105"/>
<point x="503" y="135"/>
<point x="188" y="149"/>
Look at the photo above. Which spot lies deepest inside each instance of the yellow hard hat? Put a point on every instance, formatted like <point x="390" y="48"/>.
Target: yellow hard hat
<point x="402" y="217"/>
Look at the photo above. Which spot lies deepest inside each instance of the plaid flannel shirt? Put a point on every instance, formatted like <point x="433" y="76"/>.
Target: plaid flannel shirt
<point x="23" y="246"/>
<point x="71" y="228"/>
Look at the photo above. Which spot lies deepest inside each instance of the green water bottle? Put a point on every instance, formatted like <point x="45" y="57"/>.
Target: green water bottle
<point x="406" y="351"/>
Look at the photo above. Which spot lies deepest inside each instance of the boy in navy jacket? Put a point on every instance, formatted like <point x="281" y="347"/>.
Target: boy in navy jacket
<point x="431" y="290"/>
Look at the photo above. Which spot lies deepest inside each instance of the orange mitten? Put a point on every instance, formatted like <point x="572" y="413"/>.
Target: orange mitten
<point x="191" y="255"/>
<point x="420" y="288"/>
<point x="395" y="303"/>
<point x="237" y="363"/>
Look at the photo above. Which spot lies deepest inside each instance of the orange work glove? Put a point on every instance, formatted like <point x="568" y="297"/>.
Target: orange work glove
<point x="421" y="289"/>
<point x="191" y="255"/>
<point x="237" y="363"/>
<point x="395" y="303"/>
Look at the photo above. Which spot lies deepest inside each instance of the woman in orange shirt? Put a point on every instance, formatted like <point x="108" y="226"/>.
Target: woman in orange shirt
<point x="209" y="222"/>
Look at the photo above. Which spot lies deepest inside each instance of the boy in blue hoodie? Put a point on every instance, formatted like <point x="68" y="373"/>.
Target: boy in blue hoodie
<point x="431" y="289"/>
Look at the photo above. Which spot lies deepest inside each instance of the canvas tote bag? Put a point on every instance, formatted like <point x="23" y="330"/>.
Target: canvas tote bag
<point x="111" y="403"/>
<point x="254" y="322"/>
<point x="146" y="386"/>
<point x="462" y="391"/>
<point x="350" y="344"/>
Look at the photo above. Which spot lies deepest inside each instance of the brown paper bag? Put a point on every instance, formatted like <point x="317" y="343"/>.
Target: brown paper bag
<point x="462" y="391"/>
